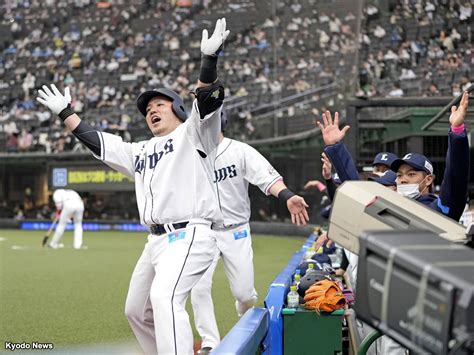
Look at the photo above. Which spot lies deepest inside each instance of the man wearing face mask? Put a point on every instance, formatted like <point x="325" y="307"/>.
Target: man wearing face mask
<point x="415" y="172"/>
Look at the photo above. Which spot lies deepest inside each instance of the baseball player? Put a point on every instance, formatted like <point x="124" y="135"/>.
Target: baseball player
<point x="237" y="164"/>
<point x="69" y="204"/>
<point x="176" y="196"/>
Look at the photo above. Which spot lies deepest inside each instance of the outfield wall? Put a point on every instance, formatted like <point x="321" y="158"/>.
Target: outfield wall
<point x="271" y="228"/>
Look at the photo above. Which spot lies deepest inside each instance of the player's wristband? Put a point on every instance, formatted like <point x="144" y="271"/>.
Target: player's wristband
<point x="208" y="72"/>
<point x="68" y="111"/>
<point x="285" y="194"/>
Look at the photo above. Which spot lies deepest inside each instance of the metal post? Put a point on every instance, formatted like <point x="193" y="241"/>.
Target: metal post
<point x="367" y="342"/>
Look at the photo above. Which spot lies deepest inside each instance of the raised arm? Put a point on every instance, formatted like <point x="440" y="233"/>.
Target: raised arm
<point x="335" y="149"/>
<point x="209" y="91"/>
<point x="119" y="157"/>
<point x="204" y="122"/>
<point x="453" y="192"/>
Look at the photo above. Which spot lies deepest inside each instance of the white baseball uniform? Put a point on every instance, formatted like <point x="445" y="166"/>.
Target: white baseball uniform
<point x="237" y="165"/>
<point x="173" y="183"/>
<point x="71" y="206"/>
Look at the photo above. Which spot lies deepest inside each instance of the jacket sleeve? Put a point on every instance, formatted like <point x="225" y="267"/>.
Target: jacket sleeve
<point x="453" y="192"/>
<point x="342" y="161"/>
<point x="331" y="188"/>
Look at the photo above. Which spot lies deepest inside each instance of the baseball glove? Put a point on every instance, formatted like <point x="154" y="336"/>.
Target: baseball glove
<point x="324" y="295"/>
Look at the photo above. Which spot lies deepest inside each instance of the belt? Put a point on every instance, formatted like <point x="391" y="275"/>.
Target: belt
<point x="216" y="226"/>
<point x="159" y="229"/>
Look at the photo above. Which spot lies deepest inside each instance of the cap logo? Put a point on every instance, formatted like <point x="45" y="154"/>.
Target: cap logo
<point x="384" y="157"/>
<point x="407" y="156"/>
<point x="428" y="166"/>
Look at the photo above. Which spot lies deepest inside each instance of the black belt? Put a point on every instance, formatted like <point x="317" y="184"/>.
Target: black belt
<point x="159" y="229"/>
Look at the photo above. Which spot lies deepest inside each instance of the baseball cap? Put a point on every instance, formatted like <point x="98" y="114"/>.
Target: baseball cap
<point x="417" y="161"/>
<point x="385" y="158"/>
<point x="388" y="178"/>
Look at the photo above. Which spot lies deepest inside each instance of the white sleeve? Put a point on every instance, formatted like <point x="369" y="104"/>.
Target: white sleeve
<point x="204" y="133"/>
<point x="257" y="170"/>
<point x="117" y="154"/>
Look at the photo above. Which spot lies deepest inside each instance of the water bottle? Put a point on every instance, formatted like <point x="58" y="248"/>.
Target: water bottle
<point x="293" y="298"/>
<point x="309" y="253"/>
<point x="310" y="269"/>
<point x="297" y="280"/>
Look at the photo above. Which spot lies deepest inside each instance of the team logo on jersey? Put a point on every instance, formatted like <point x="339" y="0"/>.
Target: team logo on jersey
<point x="152" y="159"/>
<point x="224" y="173"/>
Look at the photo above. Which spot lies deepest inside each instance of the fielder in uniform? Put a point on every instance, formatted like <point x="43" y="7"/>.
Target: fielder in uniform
<point x="69" y="204"/>
<point x="238" y="164"/>
<point x="176" y="197"/>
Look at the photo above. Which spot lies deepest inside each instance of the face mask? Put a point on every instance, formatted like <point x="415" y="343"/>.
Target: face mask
<point x="409" y="190"/>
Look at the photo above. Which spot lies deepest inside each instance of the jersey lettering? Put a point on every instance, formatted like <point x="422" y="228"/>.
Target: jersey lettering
<point x="139" y="164"/>
<point x="224" y="173"/>
<point x="154" y="158"/>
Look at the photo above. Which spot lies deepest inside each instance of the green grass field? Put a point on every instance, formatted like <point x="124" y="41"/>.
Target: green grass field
<point x="70" y="297"/>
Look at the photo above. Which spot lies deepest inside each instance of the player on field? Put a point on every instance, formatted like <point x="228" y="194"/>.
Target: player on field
<point x="69" y="204"/>
<point x="176" y="197"/>
<point x="238" y="164"/>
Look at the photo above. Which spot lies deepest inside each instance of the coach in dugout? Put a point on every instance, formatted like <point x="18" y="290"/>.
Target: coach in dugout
<point x="414" y="171"/>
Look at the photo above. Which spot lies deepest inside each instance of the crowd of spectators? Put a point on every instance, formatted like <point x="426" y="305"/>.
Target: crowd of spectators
<point x="107" y="54"/>
<point x="416" y="48"/>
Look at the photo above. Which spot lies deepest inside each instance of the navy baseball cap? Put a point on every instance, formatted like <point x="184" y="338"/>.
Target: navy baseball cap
<point x="417" y="161"/>
<point x="385" y="158"/>
<point x="388" y="178"/>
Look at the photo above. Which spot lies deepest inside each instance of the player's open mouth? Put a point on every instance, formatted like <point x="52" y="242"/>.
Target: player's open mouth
<point x="155" y="119"/>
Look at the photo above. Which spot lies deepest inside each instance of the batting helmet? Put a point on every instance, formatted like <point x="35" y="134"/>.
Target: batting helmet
<point x="178" y="104"/>
<point x="309" y="280"/>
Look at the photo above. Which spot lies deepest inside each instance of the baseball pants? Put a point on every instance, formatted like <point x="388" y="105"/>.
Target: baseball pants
<point x="235" y="247"/>
<point x="76" y="212"/>
<point x="170" y="266"/>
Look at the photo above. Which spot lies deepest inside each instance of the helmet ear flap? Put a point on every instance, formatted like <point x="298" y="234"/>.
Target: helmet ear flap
<point x="178" y="108"/>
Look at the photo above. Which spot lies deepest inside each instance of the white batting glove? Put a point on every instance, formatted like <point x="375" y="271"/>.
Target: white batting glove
<point x="53" y="99"/>
<point x="209" y="46"/>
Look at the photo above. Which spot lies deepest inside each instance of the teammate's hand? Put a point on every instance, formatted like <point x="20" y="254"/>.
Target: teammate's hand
<point x="330" y="130"/>
<point x="297" y="207"/>
<point x="209" y="46"/>
<point x="323" y="238"/>
<point x="459" y="113"/>
<point x="327" y="167"/>
<point x="53" y="99"/>
<point x="315" y="184"/>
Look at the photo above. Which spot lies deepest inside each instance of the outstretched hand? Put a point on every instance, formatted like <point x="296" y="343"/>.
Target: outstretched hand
<point x="315" y="184"/>
<point x="326" y="170"/>
<point x="330" y="130"/>
<point x="53" y="99"/>
<point x="297" y="207"/>
<point x="458" y="114"/>
<point x="210" y="46"/>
